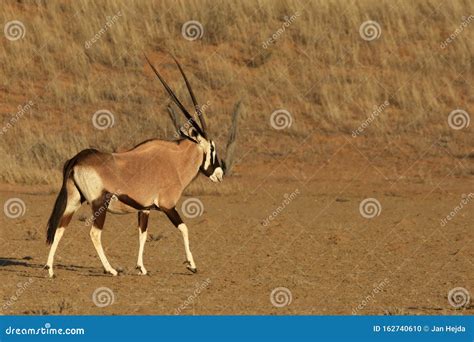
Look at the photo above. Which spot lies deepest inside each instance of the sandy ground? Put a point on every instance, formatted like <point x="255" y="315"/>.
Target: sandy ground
<point x="328" y="257"/>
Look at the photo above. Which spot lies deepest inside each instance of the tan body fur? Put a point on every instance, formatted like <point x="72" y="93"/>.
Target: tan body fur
<point x="154" y="173"/>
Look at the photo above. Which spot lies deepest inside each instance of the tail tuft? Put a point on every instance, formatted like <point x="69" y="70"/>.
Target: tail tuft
<point x="58" y="211"/>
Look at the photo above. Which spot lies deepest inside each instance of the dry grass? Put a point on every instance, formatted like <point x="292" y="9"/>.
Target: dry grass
<point x="319" y="69"/>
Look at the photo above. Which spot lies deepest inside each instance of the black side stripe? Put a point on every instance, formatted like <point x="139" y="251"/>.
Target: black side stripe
<point x="134" y="204"/>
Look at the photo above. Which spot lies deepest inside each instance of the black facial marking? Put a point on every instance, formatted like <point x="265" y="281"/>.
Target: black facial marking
<point x="214" y="164"/>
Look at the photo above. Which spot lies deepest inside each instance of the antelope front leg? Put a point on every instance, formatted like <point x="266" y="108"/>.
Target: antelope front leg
<point x="142" y="231"/>
<point x="176" y="220"/>
<point x="189" y="257"/>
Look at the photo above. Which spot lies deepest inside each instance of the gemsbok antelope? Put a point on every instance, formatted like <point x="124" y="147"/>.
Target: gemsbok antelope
<point x="150" y="176"/>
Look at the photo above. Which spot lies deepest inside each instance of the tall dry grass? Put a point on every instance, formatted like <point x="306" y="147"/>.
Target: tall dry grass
<point x="319" y="69"/>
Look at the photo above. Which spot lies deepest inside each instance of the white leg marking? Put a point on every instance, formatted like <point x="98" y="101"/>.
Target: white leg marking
<point x="57" y="237"/>
<point x="73" y="203"/>
<point x="142" y="238"/>
<point x="184" y="230"/>
<point x="95" y="236"/>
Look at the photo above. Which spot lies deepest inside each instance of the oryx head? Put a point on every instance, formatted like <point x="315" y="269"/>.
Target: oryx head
<point x="211" y="165"/>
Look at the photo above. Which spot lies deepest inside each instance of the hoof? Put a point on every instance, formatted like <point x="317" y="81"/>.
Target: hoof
<point x="194" y="270"/>
<point x="188" y="266"/>
<point x="112" y="272"/>
<point x="141" y="270"/>
<point x="50" y="271"/>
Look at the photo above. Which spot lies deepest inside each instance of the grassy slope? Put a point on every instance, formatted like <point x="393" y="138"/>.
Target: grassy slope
<point x="319" y="69"/>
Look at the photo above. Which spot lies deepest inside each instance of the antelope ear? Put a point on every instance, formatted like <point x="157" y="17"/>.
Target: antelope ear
<point x="194" y="134"/>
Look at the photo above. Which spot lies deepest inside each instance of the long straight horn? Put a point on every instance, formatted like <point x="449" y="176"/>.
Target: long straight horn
<point x="175" y="120"/>
<point x="175" y="99"/>
<point x="202" y="120"/>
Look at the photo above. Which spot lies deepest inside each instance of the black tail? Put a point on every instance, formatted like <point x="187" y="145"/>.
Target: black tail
<point x="61" y="200"/>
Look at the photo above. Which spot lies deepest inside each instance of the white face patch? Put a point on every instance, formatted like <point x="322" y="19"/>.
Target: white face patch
<point x="210" y="149"/>
<point x="207" y="163"/>
<point x="217" y="175"/>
